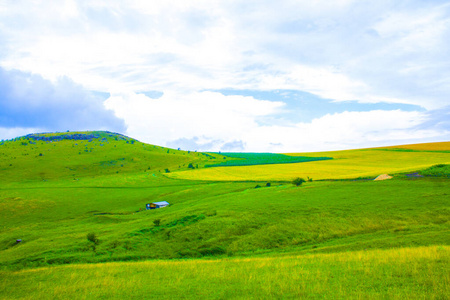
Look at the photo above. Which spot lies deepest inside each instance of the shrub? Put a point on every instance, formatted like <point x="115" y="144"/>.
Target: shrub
<point x="268" y="184"/>
<point x="298" y="181"/>
<point x="217" y="250"/>
<point x="191" y="166"/>
<point x="92" y="237"/>
<point x="167" y="170"/>
<point x="157" y="222"/>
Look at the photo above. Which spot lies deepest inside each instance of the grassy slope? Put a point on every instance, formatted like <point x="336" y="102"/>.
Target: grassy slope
<point x="109" y="154"/>
<point x="408" y="273"/>
<point x="216" y="219"/>
<point x="344" y="165"/>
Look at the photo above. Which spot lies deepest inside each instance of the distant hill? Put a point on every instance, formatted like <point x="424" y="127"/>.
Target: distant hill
<point x="74" y="155"/>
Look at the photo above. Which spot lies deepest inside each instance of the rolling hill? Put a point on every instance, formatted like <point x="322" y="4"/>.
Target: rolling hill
<point x="78" y="199"/>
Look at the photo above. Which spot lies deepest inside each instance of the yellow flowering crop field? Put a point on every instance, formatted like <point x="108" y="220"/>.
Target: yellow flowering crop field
<point x="345" y="164"/>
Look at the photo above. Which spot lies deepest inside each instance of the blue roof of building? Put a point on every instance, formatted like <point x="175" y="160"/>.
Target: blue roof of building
<point x="161" y="203"/>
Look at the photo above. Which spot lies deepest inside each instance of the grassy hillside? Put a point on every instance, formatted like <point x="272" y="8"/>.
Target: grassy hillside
<point x="75" y="155"/>
<point x="344" y="165"/>
<point x="336" y="234"/>
<point x="408" y="273"/>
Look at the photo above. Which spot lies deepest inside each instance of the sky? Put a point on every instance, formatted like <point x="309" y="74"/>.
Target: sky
<point x="254" y="76"/>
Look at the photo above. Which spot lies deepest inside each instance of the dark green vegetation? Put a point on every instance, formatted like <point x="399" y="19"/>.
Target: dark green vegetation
<point x="251" y="159"/>
<point x="440" y="170"/>
<point x="298" y="181"/>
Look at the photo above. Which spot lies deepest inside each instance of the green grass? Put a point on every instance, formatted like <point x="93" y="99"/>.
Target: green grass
<point x="440" y="170"/>
<point x="251" y="159"/>
<point x="218" y="239"/>
<point x="225" y="219"/>
<point x="407" y="273"/>
<point x="27" y="159"/>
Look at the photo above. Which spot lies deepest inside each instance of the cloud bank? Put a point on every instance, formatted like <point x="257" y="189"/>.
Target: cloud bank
<point x="211" y="121"/>
<point x="168" y="64"/>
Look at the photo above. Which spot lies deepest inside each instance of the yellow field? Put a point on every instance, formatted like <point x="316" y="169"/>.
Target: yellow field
<point x="344" y="165"/>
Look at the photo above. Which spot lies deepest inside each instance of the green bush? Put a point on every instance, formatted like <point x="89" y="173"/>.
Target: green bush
<point x="439" y="170"/>
<point x="298" y="181"/>
<point x="217" y="250"/>
<point x="92" y="237"/>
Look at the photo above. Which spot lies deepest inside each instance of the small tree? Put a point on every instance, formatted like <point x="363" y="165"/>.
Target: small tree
<point x="191" y="166"/>
<point x="157" y="222"/>
<point x="298" y="181"/>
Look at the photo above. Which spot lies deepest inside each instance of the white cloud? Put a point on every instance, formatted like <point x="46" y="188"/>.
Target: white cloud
<point x="212" y="121"/>
<point x="10" y="133"/>
<point x="340" y="50"/>
<point x="342" y="131"/>
<point x="174" y="116"/>
<point x="320" y="47"/>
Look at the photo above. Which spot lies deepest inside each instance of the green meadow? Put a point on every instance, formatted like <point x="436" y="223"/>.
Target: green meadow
<point x="78" y="207"/>
<point x="404" y="273"/>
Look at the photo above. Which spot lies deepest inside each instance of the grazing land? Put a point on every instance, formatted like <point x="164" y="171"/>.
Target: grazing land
<point x="76" y="202"/>
<point x="404" y="273"/>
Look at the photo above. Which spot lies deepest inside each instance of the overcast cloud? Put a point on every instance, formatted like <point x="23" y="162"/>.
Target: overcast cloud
<point x="230" y="75"/>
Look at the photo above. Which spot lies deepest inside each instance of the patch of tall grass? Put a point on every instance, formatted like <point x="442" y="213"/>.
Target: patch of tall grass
<point x="401" y="273"/>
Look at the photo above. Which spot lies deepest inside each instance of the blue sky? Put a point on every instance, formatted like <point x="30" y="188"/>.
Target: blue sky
<point x="278" y="76"/>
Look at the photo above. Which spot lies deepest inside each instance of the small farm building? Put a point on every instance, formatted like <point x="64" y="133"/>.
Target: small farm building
<point x="157" y="205"/>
